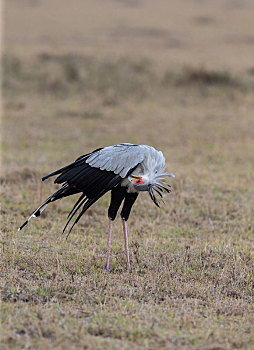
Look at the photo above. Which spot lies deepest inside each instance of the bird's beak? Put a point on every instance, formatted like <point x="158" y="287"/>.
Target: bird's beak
<point x="136" y="177"/>
<point x="133" y="178"/>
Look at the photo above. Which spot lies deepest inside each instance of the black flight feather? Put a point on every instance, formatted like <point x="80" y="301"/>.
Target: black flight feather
<point x="91" y="201"/>
<point x="73" y="212"/>
<point x="60" y="193"/>
<point x="79" y="177"/>
<point x="78" y="201"/>
<point x="71" y="174"/>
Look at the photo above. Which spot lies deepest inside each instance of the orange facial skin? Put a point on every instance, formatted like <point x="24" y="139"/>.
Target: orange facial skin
<point x="138" y="182"/>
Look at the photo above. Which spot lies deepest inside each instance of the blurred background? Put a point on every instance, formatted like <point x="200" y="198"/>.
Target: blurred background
<point x="217" y="34"/>
<point x="177" y="75"/>
<point x="102" y="72"/>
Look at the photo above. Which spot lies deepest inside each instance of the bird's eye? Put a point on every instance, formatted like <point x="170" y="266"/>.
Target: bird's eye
<point x="139" y="182"/>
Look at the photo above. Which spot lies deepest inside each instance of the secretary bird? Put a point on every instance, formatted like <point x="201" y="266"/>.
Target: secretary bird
<point x="124" y="169"/>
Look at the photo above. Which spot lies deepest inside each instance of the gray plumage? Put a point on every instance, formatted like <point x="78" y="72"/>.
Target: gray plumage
<point x="124" y="169"/>
<point x="123" y="157"/>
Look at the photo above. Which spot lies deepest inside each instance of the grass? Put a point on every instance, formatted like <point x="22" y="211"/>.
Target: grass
<point x="192" y="279"/>
<point x="62" y="75"/>
<point x="191" y="285"/>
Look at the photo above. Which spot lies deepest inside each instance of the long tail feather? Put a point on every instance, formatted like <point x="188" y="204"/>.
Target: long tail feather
<point x="74" y="212"/>
<point x="86" y="206"/>
<point x="78" y="201"/>
<point x="40" y="209"/>
<point x="89" y="202"/>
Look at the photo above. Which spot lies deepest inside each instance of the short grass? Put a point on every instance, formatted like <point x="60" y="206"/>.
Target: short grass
<point x="192" y="280"/>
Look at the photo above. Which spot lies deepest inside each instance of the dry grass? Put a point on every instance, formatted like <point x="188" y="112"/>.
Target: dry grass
<point x="192" y="284"/>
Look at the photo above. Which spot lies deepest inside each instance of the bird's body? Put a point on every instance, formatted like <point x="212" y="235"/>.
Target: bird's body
<point x="124" y="169"/>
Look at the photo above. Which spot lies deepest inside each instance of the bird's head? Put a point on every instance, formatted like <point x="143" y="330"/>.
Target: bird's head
<point x="155" y="185"/>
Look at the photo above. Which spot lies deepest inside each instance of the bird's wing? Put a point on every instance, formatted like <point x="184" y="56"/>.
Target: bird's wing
<point x="98" y="172"/>
<point x="94" y="172"/>
<point x="120" y="159"/>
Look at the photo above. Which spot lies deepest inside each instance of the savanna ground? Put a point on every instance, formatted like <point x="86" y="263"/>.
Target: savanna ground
<point x="178" y="76"/>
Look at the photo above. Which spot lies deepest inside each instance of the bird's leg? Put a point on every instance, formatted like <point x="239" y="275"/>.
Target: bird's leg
<point x="126" y="244"/>
<point x="109" y="242"/>
<point x="127" y="205"/>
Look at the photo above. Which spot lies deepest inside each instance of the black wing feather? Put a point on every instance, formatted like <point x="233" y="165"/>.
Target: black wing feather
<point x="73" y="212"/>
<point x="91" y="201"/>
<point x="79" y="161"/>
<point x="71" y="174"/>
<point x="62" y="170"/>
<point x="78" y="201"/>
<point x="80" y="177"/>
